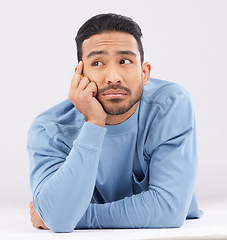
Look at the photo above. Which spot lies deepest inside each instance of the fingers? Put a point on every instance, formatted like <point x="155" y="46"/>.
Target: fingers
<point x="83" y="83"/>
<point x="82" y="95"/>
<point x="92" y="87"/>
<point x="77" y="75"/>
<point x="37" y="222"/>
<point x="31" y="208"/>
<point x="85" y="88"/>
<point x="79" y="83"/>
<point x="79" y="68"/>
<point x="35" y="219"/>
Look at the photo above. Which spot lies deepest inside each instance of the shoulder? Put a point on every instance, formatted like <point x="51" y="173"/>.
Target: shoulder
<point x="165" y="102"/>
<point x="58" y="118"/>
<point x="161" y="92"/>
<point x="166" y="111"/>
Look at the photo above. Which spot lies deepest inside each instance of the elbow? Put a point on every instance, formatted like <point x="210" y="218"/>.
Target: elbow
<point x="62" y="229"/>
<point x="177" y="221"/>
<point x="60" y="226"/>
<point x="167" y="221"/>
<point x="56" y="220"/>
<point x="176" y="215"/>
<point x="174" y="218"/>
<point x="167" y="218"/>
<point x="170" y="211"/>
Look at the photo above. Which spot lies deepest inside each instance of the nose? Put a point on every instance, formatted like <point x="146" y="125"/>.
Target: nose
<point x="112" y="75"/>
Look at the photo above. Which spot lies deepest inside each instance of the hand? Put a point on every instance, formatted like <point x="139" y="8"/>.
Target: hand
<point x="82" y="95"/>
<point x="37" y="222"/>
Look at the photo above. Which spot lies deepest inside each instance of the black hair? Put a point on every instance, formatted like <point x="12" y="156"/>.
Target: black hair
<point x="105" y="23"/>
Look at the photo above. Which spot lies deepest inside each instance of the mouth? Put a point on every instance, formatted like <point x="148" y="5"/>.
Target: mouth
<point x="114" y="93"/>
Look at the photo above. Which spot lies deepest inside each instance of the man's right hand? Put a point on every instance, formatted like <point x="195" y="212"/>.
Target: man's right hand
<point x="36" y="220"/>
<point x="82" y="95"/>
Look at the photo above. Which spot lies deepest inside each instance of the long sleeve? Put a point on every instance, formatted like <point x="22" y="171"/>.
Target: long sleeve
<point x="63" y="184"/>
<point x="172" y="173"/>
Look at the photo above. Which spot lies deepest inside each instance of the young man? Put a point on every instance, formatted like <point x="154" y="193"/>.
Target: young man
<point x="122" y="151"/>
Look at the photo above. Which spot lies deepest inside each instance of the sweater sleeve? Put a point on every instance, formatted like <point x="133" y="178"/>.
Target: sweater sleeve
<point x="56" y="175"/>
<point x="172" y="175"/>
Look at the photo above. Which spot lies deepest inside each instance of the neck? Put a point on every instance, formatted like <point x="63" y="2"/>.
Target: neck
<point x="117" y="119"/>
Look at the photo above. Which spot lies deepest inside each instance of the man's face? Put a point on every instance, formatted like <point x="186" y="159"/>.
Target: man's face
<point x="112" y="61"/>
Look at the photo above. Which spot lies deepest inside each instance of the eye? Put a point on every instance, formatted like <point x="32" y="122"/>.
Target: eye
<point x="97" y="63"/>
<point x="125" y="61"/>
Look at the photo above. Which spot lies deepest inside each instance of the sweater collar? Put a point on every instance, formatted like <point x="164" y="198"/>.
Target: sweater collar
<point x="124" y="126"/>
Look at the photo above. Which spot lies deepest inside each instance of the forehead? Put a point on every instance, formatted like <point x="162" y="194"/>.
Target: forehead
<point x="111" y="41"/>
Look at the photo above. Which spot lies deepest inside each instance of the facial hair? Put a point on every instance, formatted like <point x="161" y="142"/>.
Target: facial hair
<point x="114" y="109"/>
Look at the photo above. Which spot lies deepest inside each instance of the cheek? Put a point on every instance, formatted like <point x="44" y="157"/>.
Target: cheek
<point x="135" y="79"/>
<point x="134" y="72"/>
<point x="90" y="73"/>
<point x="137" y="84"/>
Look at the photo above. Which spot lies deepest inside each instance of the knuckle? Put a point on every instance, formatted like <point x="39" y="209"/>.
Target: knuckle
<point x="35" y="225"/>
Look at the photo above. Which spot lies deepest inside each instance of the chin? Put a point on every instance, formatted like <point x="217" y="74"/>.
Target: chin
<point x="117" y="110"/>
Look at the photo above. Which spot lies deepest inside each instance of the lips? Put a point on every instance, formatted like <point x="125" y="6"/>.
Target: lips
<point x="114" y="93"/>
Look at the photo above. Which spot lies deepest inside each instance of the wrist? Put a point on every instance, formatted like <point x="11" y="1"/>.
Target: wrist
<point x="100" y="123"/>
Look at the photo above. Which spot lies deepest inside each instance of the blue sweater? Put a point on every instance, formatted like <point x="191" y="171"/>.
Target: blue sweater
<point x="137" y="174"/>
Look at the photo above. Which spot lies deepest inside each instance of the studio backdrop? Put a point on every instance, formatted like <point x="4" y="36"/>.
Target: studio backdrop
<point x="184" y="40"/>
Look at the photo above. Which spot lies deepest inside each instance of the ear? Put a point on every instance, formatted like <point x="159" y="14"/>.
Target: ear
<point x="146" y="71"/>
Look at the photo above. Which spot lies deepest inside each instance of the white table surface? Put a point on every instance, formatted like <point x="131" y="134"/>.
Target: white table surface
<point x="15" y="224"/>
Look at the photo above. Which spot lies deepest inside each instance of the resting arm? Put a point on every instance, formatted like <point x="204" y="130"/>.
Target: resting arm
<point x="63" y="185"/>
<point x="172" y="176"/>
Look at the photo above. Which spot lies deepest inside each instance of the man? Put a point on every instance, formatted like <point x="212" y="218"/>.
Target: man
<point x="122" y="151"/>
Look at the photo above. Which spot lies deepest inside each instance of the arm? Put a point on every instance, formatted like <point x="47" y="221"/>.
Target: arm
<point x="62" y="183"/>
<point x="172" y="176"/>
<point x="61" y="187"/>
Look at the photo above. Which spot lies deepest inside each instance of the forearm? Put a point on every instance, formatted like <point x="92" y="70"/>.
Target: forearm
<point x="146" y="210"/>
<point x="64" y="197"/>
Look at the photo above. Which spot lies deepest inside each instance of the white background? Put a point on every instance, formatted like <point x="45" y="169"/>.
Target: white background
<point x="184" y="40"/>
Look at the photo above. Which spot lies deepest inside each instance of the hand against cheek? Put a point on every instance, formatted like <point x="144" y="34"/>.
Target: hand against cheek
<point x="82" y="95"/>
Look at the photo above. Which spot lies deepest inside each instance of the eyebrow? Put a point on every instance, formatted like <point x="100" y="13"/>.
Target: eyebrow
<point x="127" y="52"/>
<point x="93" y="53"/>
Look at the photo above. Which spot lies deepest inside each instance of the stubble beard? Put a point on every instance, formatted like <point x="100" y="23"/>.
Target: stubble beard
<point x="114" y="109"/>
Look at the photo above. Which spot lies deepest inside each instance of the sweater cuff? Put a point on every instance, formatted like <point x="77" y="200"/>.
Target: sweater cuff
<point x="91" y="135"/>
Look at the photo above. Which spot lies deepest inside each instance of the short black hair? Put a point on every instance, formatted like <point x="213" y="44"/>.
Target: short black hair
<point x="106" y="23"/>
